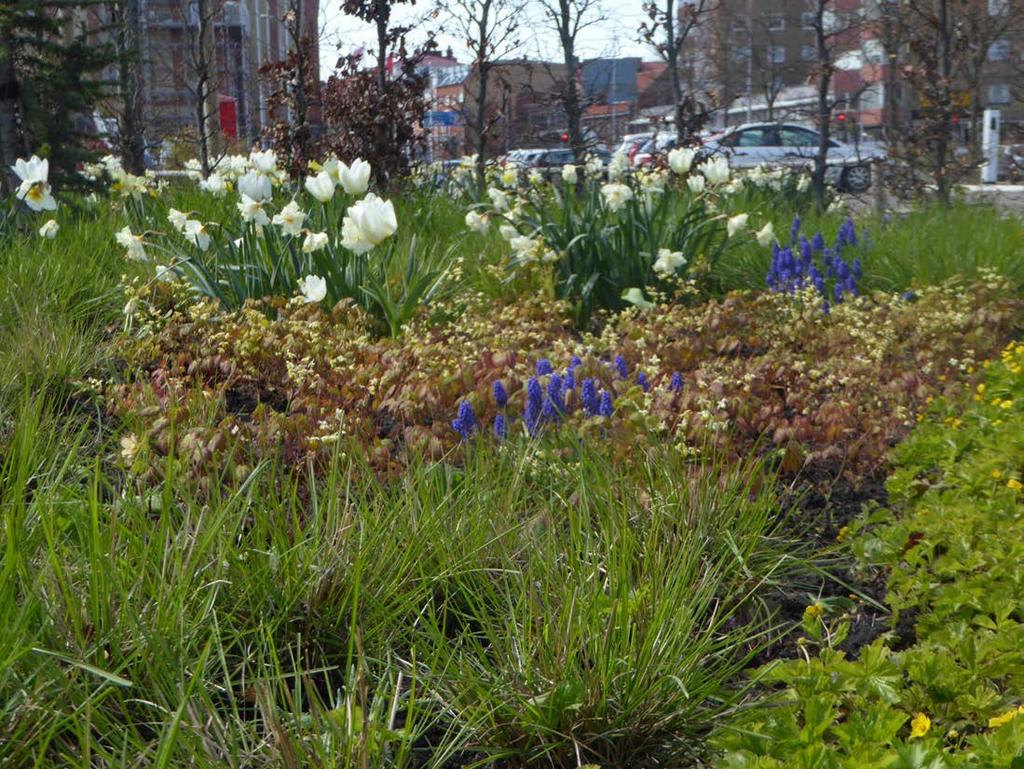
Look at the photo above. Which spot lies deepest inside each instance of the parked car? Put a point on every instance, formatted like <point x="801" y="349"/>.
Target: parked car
<point x="656" y="146"/>
<point x="632" y="143"/>
<point x="550" y="161"/>
<point x="755" y="144"/>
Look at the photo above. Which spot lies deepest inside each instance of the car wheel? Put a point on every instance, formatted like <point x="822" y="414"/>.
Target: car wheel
<point x="857" y="179"/>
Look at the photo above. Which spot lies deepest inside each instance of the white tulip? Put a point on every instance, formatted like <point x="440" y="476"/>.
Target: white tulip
<point x="736" y="224"/>
<point x="195" y="231"/>
<point x="291" y="219"/>
<point x="594" y="166"/>
<point x="569" y="175"/>
<point x="523" y="247"/>
<point x="193" y="168"/>
<point x="616" y="195"/>
<point x="716" y="170"/>
<point x="355" y="179"/>
<point x="696" y="184"/>
<point x="320" y="186"/>
<point x="508" y="231"/>
<point x="680" y="160"/>
<point x="35" y="186"/>
<point x="668" y="261"/>
<point x="49" y="230"/>
<point x="255" y="185"/>
<point x="367" y="223"/>
<point x="477" y="222"/>
<point x="766" y="235"/>
<point x="132" y="243"/>
<point x="314" y="242"/>
<point x="265" y="162"/>
<point x="252" y="211"/>
<point x="215" y="185"/>
<point x="313" y="288"/>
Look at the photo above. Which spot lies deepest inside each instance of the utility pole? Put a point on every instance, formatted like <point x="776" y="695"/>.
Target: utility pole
<point x="750" y="61"/>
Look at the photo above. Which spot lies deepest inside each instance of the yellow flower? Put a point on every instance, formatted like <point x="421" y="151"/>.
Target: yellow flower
<point x="996" y="721"/>
<point x="1014" y="484"/>
<point x="981" y="389"/>
<point x="920" y="725"/>
<point x="813" y="611"/>
<point x="841" y="535"/>
<point x="997" y="473"/>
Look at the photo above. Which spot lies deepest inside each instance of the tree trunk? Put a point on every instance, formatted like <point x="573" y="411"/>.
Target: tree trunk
<point x="572" y="105"/>
<point x="943" y="130"/>
<point x="131" y="123"/>
<point x="824" y="106"/>
<point x="9" y="109"/>
<point x="484" y="74"/>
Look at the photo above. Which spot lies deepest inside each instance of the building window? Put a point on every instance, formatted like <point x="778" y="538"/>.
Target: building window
<point x="999" y="94"/>
<point x="999" y="50"/>
<point x="807" y="19"/>
<point x="808" y="53"/>
<point x="776" y="54"/>
<point x="873" y="97"/>
<point x="776" y="23"/>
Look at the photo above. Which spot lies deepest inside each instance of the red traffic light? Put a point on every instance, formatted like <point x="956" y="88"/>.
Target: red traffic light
<point x="565" y="137"/>
<point x="841" y="117"/>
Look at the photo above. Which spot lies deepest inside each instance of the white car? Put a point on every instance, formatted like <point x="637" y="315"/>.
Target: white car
<point x="772" y="144"/>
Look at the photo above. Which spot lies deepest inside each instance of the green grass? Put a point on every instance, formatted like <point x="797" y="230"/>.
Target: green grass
<point x="924" y="247"/>
<point x="540" y="611"/>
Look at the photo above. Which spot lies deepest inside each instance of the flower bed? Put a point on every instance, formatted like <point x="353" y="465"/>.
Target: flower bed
<point x="951" y="546"/>
<point x="769" y="371"/>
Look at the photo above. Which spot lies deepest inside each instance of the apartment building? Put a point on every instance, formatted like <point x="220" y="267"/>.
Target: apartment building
<point x="246" y="35"/>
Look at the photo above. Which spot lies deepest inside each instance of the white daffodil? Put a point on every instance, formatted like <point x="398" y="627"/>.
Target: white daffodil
<point x="766" y="235"/>
<point x="313" y="288"/>
<point x="477" y="222"/>
<point x="320" y="186"/>
<point x="49" y="230"/>
<point x="291" y="219"/>
<point x="716" y="170"/>
<point x="354" y="179"/>
<point x="736" y="224"/>
<point x="314" y="242"/>
<point x="594" y="166"/>
<point x="510" y="175"/>
<point x="535" y="177"/>
<point x="616" y="195"/>
<point x="696" y="183"/>
<point x="264" y="162"/>
<point x="215" y="185"/>
<point x="177" y="219"/>
<point x="233" y="166"/>
<point x="252" y="211"/>
<point x="508" y="231"/>
<point x="367" y="223"/>
<point x="524" y="247"/>
<point x="569" y="174"/>
<point x="132" y="244"/>
<point x="195" y="232"/>
<point x="193" y="168"/>
<point x="499" y="199"/>
<point x="35" y="185"/>
<point x="255" y="185"/>
<point x="618" y="166"/>
<point x="680" y="160"/>
<point x="668" y="261"/>
<point x="803" y="183"/>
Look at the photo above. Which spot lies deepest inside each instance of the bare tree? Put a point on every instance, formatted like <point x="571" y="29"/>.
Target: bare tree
<point x="668" y="28"/>
<point x="10" y="105"/>
<point x="491" y="31"/>
<point x="124" y="21"/>
<point x="199" y="17"/>
<point x="568" y="18"/>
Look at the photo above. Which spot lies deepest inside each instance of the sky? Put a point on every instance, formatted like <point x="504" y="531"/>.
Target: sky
<point x="616" y="34"/>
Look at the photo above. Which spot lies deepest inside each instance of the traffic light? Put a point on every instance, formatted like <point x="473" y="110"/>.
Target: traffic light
<point x="841" y="117"/>
<point x="565" y="138"/>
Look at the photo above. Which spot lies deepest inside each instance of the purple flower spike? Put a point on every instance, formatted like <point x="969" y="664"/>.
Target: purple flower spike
<point x="606" y="409"/>
<point x="544" y="367"/>
<point x="588" y="397"/>
<point x="500" y="394"/>
<point x="677" y="382"/>
<point x="501" y="427"/>
<point x="641" y="379"/>
<point x="465" y="422"/>
<point x="621" y="366"/>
